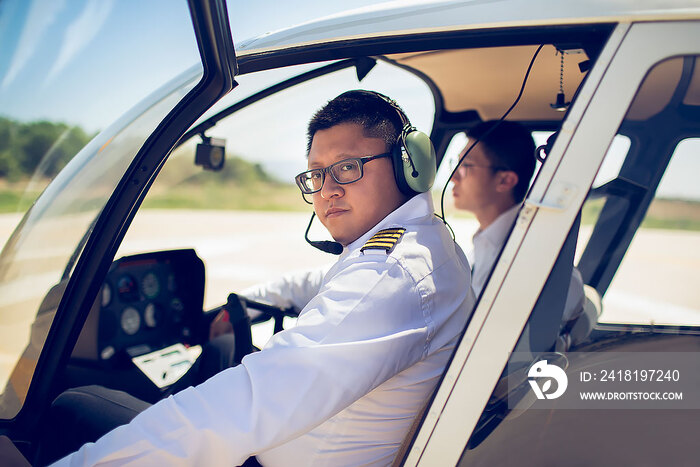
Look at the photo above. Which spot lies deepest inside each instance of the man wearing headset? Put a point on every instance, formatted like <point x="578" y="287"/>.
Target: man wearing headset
<point x="492" y="182"/>
<point x="375" y="332"/>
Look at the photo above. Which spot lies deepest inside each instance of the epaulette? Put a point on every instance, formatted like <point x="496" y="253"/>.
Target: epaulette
<point x="385" y="239"/>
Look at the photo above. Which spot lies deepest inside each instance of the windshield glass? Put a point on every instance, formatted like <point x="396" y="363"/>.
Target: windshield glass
<point x="69" y="70"/>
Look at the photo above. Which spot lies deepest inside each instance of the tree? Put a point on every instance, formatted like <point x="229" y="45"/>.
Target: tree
<point x="41" y="147"/>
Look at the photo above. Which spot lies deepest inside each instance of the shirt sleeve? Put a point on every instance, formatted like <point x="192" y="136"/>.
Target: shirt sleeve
<point x="367" y="324"/>
<point x="292" y="290"/>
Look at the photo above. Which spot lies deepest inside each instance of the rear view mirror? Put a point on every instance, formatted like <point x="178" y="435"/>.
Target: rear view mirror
<point x="211" y="154"/>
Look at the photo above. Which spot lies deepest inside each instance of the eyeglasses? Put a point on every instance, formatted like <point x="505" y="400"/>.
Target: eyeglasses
<point x="495" y="168"/>
<point x="343" y="172"/>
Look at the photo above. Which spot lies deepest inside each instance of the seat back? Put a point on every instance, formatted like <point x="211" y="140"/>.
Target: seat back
<point x="578" y="329"/>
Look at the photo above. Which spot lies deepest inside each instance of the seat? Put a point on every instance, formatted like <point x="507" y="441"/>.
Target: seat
<point x="579" y="328"/>
<point x="10" y="456"/>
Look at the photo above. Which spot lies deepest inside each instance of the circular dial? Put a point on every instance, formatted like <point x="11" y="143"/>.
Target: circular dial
<point x="127" y="289"/>
<point x="107" y="353"/>
<point x="150" y="285"/>
<point x="151" y="315"/>
<point x="130" y="321"/>
<point x="106" y="297"/>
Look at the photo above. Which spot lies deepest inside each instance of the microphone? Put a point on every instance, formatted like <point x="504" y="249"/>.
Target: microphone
<point x="333" y="248"/>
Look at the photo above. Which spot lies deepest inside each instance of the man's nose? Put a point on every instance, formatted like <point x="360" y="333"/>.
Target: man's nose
<point x="331" y="188"/>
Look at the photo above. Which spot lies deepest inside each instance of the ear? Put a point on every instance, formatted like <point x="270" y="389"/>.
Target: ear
<point x="507" y="180"/>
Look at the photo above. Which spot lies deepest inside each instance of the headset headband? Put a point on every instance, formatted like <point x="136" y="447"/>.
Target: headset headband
<point x="405" y="122"/>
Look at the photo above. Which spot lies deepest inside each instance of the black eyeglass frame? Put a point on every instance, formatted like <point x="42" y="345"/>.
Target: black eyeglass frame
<point x="361" y="160"/>
<point x="495" y="168"/>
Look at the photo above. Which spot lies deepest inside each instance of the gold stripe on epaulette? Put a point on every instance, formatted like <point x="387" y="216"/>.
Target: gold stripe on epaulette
<point x="388" y="235"/>
<point x="385" y="239"/>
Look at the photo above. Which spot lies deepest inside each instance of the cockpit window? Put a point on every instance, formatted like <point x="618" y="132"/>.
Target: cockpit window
<point x="653" y="188"/>
<point x="55" y="42"/>
<point x="652" y="285"/>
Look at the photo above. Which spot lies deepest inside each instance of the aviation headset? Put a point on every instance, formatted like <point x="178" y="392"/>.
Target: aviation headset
<point x="412" y="155"/>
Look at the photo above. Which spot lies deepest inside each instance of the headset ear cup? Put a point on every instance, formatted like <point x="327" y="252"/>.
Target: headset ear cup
<point x="419" y="171"/>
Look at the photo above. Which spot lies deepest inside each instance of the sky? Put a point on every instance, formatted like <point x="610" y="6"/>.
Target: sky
<point x="51" y="46"/>
<point x="130" y="48"/>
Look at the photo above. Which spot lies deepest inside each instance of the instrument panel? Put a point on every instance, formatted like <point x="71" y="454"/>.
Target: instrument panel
<point x="147" y="302"/>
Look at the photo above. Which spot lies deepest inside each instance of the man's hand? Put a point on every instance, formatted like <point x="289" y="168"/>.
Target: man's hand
<point x="221" y="325"/>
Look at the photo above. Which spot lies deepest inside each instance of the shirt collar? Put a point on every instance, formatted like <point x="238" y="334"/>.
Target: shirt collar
<point x="497" y="231"/>
<point x="420" y="205"/>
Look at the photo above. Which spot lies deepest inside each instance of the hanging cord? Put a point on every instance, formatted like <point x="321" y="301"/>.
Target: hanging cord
<point x="560" y="104"/>
<point x="561" y="72"/>
<point x="500" y="120"/>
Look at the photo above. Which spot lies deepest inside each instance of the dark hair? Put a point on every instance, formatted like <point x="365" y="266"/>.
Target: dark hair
<point x="378" y="118"/>
<point x="509" y="145"/>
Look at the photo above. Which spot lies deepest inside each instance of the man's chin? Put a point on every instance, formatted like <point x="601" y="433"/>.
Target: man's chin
<point x="343" y="230"/>
<point x="460" y="204"/>
<point x="343" y="240"/>
<point x="337" y="233"/>
<point x="343" y="237"/>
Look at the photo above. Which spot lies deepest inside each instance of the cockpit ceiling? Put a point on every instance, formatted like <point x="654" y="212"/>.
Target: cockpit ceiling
<point x="488" y="80"/>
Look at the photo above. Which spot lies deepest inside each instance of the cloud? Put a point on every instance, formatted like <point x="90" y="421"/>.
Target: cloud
<point x="41" y="15"/>
<point x="80" y="32"/>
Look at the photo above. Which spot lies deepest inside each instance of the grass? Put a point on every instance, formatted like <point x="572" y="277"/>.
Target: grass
<point x="673" y="214"/>
<point x="15" y="198"/>
<point x="669" y="214"/>
<point x="254" y="196"/>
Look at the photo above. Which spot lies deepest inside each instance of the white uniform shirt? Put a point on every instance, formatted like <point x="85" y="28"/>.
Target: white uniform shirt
<point x="293" y="290"/>
<point x="487" y="244"/>
<point x="340" y="388"/>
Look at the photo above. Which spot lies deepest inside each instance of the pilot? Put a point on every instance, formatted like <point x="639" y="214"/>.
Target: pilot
<point x="345" y="384"/>
<point x="491" y="183"/>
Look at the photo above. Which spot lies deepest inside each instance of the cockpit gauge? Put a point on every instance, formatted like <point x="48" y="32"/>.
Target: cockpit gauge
<point x="177" y="308"/>
<point x="107" y="353"/>
<point x="150" y="285"/>
<point x="106" y="296"/>
<point x="127" y="289"/>
<point x="130" y="321"/>
<point x="151" y="315"/>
